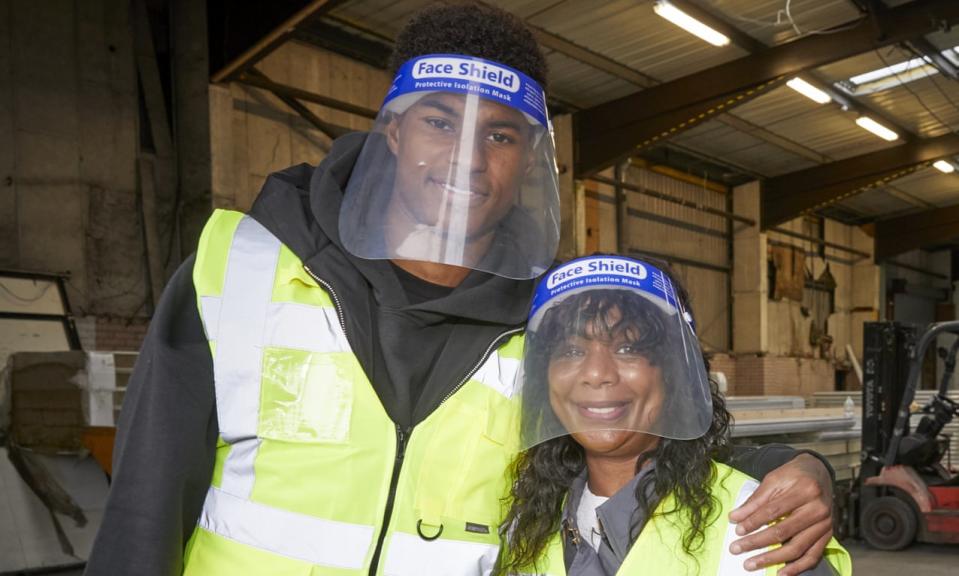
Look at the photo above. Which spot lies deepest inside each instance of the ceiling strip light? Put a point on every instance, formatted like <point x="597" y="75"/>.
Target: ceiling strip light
<point x="944" y="167"/>
<point x="876" y="128"/>
<point x="896" y="74"/>
<point x="888" y="71"/>
<point x="670" y="12"/>
<point x="809" y="91"/>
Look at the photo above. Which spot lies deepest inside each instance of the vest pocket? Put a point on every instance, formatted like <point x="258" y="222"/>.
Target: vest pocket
<point x="480" y="485"/>
<point x="306" y="396"/>
<point x="486" y="478"/>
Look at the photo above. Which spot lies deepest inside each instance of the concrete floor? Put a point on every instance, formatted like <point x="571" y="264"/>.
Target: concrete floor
<point x="917" y="560"/>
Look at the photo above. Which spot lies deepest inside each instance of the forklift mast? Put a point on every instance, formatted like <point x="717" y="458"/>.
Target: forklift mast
<point x="887" y="347"/>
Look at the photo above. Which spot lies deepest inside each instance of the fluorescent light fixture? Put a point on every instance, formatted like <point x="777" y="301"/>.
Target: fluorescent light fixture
<point x="808" y="90"/>
<point x="877" y="128"/>
<point x="667" y="10"/>
<point x="905" y="69"/>
<point x="895" y="75"/>
<point x="944" y="167"/>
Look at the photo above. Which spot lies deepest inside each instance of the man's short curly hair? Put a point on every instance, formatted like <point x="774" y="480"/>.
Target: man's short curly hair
<point x="471" y="29"/>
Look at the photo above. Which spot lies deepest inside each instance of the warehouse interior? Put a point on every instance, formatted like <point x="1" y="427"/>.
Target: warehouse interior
<point x="797" y="172"/>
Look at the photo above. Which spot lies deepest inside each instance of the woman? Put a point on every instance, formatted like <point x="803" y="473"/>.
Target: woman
<point x="623" y="432"/>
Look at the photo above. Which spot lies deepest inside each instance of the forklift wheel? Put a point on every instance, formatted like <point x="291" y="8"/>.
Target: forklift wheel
<point x="888" y="523"/>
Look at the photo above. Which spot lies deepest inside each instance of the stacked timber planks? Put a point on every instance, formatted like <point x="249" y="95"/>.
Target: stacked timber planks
<point x="784" y="419"/>
<point x="747" y="403"/>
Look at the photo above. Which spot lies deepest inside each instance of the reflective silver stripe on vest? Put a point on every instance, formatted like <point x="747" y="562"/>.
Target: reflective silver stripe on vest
<point x="210" y="314"/>
<point x="288" y="325"/>
<point x="410" y="555"/>
<point x="499" y="373"/>
<point x="298" y="536"/>
<point x="237" y="364"/>
<point x="732" y="564"/>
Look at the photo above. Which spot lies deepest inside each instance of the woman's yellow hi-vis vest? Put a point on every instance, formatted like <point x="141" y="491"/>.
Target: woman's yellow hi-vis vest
<point x="307" y="456"/>
<point x="659" y="549"/>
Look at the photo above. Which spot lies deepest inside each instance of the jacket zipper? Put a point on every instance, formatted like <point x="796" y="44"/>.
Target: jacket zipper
<point x="336" y="299"/>
<point x="402" y="436"/>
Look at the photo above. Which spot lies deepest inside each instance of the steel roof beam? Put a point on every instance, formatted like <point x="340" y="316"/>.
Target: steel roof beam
<point x="790" y="195"/>
<point x="943" y="64"/>
<point x="273" y="40"/>
<point x="613" y="130"/>
<point x="586" y="56"/>
<point x="757" y="131"/>
<point x="256" y="78"/>
<point x="334" y="38"/>
<point x="905" y="233"/>
<point x="289" y="96"/>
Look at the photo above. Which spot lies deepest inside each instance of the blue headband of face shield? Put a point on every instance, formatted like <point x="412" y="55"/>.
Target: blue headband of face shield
<point x="596" y="272"/>
<point x="469" y="75"/>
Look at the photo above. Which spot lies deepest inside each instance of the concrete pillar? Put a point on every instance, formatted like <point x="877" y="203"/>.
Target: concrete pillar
<point x="9" y="238"/>
<point x="750" y="283"/>
<point x="865" y="303"/>
<point x="840" y="321"/>
<point x="192" y="130"/>
<point x="563" y="139"/>
<point x="579" y="238"/>
<point x="223" y="186"/>
<point x="601" y="217"/>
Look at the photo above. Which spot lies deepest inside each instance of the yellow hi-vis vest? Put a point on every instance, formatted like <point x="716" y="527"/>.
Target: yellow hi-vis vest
<point x="311" y="476"/>
<point x="659" y="550"/>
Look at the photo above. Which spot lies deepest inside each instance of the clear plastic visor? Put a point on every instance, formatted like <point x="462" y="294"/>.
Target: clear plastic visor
<point x="607" y="361"/>
<point x="457" y="179"/>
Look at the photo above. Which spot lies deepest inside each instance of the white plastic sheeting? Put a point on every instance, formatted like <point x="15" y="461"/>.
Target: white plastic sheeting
<point x="27" y="536"/>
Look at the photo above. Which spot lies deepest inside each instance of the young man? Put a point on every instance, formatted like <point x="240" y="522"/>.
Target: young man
<point x="327" y="387"/>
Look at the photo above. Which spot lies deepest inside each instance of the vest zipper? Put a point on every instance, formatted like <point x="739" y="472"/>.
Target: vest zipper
<point x="480" y="362"/>
<point x="402" y="437"/>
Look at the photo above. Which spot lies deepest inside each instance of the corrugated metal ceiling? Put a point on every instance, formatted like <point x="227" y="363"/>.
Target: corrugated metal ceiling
<point x="879" y="203"/>
<point x="931" y="185"/>
<point x="628" y="32"/>
<point x="767" y="21"/>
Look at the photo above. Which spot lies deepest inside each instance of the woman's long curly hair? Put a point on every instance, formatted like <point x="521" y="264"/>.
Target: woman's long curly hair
<point x="544" y="473"/>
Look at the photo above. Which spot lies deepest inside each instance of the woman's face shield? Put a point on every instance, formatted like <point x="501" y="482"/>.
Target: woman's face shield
<point x="610" y="350"/>
<point x="457" y="172"/>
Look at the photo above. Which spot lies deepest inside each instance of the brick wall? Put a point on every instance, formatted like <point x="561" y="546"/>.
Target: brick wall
<point x="782" y="376"/>
<point x="727" y="365"/>
<point x="87" y="331"/>
<point x="749" y="376"/>
<point x="120" y="334"/>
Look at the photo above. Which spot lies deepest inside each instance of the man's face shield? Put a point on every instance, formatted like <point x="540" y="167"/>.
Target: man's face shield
<point x="459" y="169"/>
<point x="610" y="350"/>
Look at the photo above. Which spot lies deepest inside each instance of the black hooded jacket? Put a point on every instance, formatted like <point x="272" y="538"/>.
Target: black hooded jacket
<point x="415" y="341"/>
